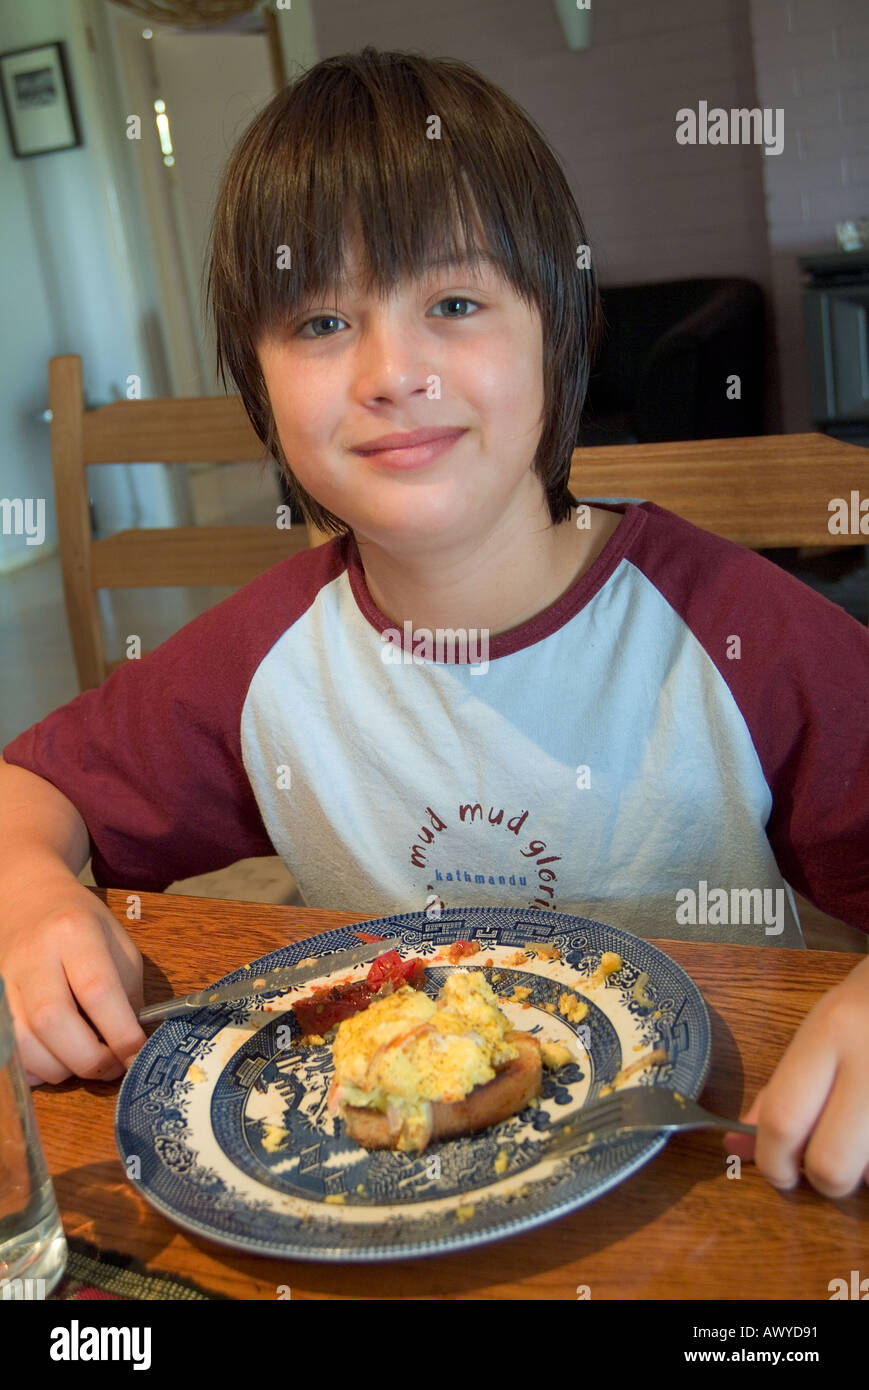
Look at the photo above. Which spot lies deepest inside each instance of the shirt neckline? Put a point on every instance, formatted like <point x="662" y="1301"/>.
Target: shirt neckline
<point x="580" y="592"/>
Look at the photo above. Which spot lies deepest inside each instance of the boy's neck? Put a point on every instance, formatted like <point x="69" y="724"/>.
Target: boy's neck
<point x="497" y="583"/>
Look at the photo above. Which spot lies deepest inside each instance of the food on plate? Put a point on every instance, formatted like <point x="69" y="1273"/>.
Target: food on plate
<point x="555" y="1054"/>
<point x="409" y="1069"/>
<point x="326" y="1007"/>
<point x="652" y="1059"/>
<point x="573" y="1009"/>
<point x="536" y="948"/>
<point x="461" y="948"/>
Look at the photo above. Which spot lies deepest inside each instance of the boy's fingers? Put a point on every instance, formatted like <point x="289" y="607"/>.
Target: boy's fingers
<point x="837" y="1152"/>
<point x="53" y="1019"/>
<point x="793" y="1102"/>
<point x="743" y="1144"/>
<point x="40" y="1064"/>
<point x="96" y="984"/>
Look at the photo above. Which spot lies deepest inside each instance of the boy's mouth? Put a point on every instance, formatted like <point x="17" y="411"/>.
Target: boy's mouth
<point x="406" y="440"/>
<point x="410" y="450"/>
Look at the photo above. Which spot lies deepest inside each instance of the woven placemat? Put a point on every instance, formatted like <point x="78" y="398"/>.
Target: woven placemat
<point x="109" y="1274"/>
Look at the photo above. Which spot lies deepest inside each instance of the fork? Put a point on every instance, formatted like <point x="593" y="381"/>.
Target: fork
<point x="635" y="1108"/>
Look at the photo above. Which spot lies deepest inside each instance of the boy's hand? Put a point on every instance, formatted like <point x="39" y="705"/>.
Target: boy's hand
<point x="61" y="962"/>
<point x="816" y="1106"/>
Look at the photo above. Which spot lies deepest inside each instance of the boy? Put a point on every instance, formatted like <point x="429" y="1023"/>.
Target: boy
<point x="607" y="756"/>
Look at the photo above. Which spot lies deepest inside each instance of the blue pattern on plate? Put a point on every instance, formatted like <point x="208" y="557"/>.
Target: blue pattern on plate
<point x="216" y="1177"/>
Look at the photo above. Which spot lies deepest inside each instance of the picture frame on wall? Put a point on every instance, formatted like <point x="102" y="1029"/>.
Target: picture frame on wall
<point x="37" y="100"/>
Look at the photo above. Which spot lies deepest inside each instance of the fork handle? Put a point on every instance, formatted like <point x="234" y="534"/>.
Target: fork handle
<point x="564" y="1144"/>
<point x="736" y="1126"/>
<point x="677" y="1126"/>
<point x="708" y="1122"/>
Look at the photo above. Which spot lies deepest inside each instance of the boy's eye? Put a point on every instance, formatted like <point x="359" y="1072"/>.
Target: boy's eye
<point x="333" y="318"/>
<point x="456" y="299"/>
<point x="320" y="318"/>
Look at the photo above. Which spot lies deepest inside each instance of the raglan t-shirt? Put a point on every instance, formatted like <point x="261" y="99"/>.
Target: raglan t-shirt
<point x="670" y="747"/>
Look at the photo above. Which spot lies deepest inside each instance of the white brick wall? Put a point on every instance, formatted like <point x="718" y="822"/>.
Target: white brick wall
<point x="655" y="210"/>
<point x="812" y="58"/>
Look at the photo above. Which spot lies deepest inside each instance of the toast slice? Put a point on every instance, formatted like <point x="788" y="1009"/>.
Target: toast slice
<point x="509" y="1091"/>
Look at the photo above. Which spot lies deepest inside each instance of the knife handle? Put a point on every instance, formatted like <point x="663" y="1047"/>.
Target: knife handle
<point x="169" y="1010"/>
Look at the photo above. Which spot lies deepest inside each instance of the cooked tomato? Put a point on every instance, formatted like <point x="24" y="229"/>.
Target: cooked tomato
<point x="320" y="1011"/>
<point x="326" y="1007"/>
<point x="390" y="966"/>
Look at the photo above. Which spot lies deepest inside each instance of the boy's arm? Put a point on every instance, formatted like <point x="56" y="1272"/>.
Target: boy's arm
<point x="40" y="829"/>
<point x="62" y="952"/>
<point x="152" y="758"/>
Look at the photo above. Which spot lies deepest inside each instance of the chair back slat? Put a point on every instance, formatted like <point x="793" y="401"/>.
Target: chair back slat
<point x="191" y="555"/>
<point x="171" y="431"/>
<point x="763" y="492"/>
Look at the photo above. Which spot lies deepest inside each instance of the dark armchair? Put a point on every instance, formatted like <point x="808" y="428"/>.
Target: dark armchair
<point x="667" y="352"/>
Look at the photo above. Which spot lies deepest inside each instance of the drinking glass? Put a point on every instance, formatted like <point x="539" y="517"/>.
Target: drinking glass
<point x="32" y="1243"/>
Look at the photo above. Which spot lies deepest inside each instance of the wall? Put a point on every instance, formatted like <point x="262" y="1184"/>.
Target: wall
<point x="72" y="285"/>
<point x="812" y="59"/>
<point x="653" y="209"/>
<point x="25" y="346"/>
<point x="80" y="271"/>
<point x="656" y="210"/>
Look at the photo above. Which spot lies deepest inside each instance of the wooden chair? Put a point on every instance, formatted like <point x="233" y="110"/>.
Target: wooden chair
<point x="208" y="429"/>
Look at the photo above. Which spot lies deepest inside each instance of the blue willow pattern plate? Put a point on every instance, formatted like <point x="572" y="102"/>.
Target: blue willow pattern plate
<point x="222" y="1124"/>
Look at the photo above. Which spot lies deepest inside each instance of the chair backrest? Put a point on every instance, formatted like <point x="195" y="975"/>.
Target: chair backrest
<point x="195" y="430"/>
<point x="762" y="491"/>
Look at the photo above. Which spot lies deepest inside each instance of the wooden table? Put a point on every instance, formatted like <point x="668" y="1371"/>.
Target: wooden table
<point x="677" y="1229"/>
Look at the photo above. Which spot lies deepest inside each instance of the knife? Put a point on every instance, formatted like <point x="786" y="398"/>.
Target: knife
<point x="271" y="983"/>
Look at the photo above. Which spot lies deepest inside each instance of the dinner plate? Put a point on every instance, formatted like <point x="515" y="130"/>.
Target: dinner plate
<point x="222" y="1123"/>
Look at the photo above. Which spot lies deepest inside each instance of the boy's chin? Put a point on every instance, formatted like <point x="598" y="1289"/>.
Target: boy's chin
<point x="413" y="535"/>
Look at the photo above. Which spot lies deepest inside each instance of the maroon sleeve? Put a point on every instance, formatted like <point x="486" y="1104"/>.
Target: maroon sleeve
<point x="802" y="685"/>
<point x="152" y="758"/>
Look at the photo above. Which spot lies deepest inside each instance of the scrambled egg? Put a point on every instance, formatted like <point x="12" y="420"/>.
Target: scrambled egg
<point x="610" y="962"/>
<point x="555" y="1054"/>
<point x="405" y="1051"/>
<point x="571" y="1007"/>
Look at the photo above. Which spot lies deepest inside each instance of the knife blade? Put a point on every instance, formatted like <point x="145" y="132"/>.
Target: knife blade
<point x="270" y="983"/>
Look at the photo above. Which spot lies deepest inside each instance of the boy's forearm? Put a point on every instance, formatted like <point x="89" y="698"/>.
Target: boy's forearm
<point x="42" y="835"/>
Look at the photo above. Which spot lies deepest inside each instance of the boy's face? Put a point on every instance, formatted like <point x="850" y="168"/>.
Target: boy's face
<point x="342" y="374"/>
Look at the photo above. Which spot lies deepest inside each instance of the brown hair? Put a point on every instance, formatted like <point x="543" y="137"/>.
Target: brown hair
<point x="349" y="139"/>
